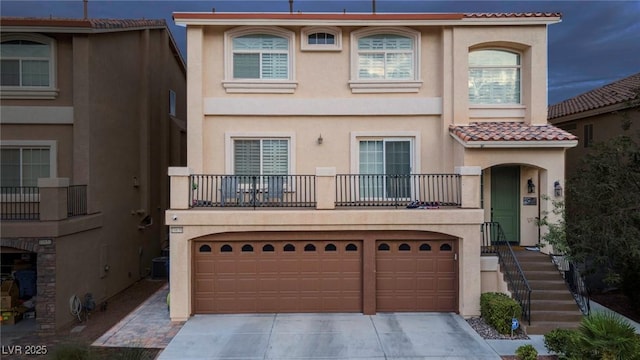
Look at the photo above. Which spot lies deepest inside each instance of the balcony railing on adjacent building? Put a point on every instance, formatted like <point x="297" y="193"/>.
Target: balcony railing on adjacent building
<point x="253" y="191"/>
<point x="20" y="203"/>
<point x="23" y="202"/>
<point x="414" y="190"/>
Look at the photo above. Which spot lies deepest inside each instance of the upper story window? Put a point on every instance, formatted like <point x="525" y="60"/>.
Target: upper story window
<point x="494" y="77"/>
<point x="24" y="163"/>
<point x="259" y="60"/>
<point x="261" y="156"/>
<point x="385" y="60"/>
<point x="27" y="66"/>
<point x="321" y="38"/>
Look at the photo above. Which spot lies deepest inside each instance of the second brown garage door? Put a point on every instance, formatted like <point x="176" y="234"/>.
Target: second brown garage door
<point x="277" y="276"/>
<point x="416" y="275"/>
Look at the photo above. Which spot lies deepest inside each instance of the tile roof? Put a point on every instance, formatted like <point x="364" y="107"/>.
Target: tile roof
<point x="513" y="15"/>
<point x="509" y="132"/>
<point x="615" y="93"/>
<point x="98" y="24"/>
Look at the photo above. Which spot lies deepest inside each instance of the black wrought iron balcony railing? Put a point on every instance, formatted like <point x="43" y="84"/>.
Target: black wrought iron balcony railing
<point x="410" y="190"/>
<point x="20" y="203"/>
<point x="76" y="200"/>
<point x="572" y="274"/>
<point x="252" y="191"/>
<point x="23" y="202"/>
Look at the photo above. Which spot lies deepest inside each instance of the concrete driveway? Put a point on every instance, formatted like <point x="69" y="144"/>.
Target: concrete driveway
<point x="328" y="336"/>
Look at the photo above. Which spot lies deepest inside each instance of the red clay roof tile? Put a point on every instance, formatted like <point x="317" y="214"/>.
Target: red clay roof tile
<point x="83" y="23"/>
<point x="615" y="93"/>
<point x="509" y="131"/>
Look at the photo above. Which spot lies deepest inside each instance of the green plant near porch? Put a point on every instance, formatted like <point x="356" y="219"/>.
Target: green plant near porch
<point x="498" y="310"/>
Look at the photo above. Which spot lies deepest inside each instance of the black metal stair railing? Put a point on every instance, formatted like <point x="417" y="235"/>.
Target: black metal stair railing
<point x="573" y="277"/>
<point x="495" y="241"/>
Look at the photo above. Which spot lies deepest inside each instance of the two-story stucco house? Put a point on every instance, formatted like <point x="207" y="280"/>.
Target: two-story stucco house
<point x="93" y="112"/>
<point x="347" y="162"/>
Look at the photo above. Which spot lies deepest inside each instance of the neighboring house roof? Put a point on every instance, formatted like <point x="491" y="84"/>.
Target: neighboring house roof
<point x="357" y="19"/>
<point x="62" y="25"/>
<point x="511" y="134"/>
<point x="619" y="92"/>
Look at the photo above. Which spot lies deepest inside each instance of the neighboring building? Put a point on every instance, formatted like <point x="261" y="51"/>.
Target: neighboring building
<point x="93" y="112"/>
<point x="347" y="162"/>
<point x="598" y="116"/>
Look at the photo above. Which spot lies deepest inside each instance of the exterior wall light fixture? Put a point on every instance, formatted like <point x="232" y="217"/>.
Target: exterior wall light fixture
<point x="557" y="189"/>
<point x="320" y="139"/>
<point x="531" y="187"/>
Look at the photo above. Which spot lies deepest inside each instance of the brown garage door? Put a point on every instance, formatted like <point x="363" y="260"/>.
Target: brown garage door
<point x="416" y="275"/>
<point x="277" y="276"/>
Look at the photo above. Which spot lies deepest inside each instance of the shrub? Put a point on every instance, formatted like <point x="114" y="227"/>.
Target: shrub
<point x="498" y="309"/>
<point x="526" y="352"/>
<point x="563" y="343"/>
<point x="606" y="335"/>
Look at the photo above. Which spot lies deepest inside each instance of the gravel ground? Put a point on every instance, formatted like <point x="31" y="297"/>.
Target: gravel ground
<point x="488" y="332"/>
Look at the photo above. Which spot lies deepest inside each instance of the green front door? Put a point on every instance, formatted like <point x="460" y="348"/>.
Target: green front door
<point x="505" y="208"/>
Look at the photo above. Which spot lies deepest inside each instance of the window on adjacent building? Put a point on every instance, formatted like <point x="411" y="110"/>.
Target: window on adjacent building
<point x="261" y="156"/>
<point x="172" y="102"/>
<point x="494" y="77"/>
<point x="381" y="158"/>
<point x="588" y="135"/>
<point x="23" y="166"/>
<point x="27" y="64"/>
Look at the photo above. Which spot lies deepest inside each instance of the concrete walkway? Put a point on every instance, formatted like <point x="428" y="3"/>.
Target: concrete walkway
<point x="328" y="336"/>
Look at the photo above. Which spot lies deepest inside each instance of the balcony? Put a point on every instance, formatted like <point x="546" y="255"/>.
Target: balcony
<point x="324" y="190"/>
<point x="23" y="202"/>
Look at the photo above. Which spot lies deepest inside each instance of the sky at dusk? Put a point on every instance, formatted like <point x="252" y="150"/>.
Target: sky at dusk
<point x="596" y="43"/>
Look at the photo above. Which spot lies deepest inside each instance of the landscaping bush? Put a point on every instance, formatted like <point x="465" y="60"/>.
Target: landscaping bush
<point x="563" y="343"/>
<point x="71" y="352"/>
<point x="606" y="335"/>
<point x="526" y="352"/>
<point x="498" y="309"/>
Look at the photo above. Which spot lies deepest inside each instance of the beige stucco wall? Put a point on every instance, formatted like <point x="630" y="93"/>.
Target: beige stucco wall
<point x="492" y="279"/>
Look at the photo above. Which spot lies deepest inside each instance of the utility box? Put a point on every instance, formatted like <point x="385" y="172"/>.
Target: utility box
<point x="159" y="268"/>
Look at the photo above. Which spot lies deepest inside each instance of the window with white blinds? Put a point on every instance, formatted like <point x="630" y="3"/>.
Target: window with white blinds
<point x="494" y="77"/>
<point x="386" y="57"/>
<point x="261" y="156"/>
<point x="260" y="56"/>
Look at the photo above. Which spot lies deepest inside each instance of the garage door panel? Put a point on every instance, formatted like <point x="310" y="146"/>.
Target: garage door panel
<point x="278" y="281"/>
<point x="421" y="278"/>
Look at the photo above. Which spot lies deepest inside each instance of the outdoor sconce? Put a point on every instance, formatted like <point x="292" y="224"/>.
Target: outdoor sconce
<point x="531" y="188"/>
<point x="557" y="189"/>
<point x="320" y="139"/>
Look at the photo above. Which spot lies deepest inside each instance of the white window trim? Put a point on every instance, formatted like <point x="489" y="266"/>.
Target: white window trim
<point x="304" y="38"/>
<point x="33" y="92"/>
<point x="413" y="136"/>
<point x="231" y="136"/>
<point x="232" y="85"/>
<point x="51" y="144"/>
<point x="498" y="107"/>
<point x="385" y="86"/>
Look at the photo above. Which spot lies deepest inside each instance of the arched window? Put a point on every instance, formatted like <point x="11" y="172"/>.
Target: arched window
<point x="28" y="66"/>
<point x="226" y="248"/>
<point x="205" y="248"/>
<point x="257" y="54"/>
<point x="321" y="38"/>
<point x="445" y="247"/>
<point x="247" y="248"/>
<point x="330" y="247"/>
<point x="289" y="247"/>
<point x="404" y="247"/>
<point x="351" y="247"/>
<point x="268" y="248"/>
<point x="494" y="77"/>
<point x="309" y="247"/>
<point x="425" y="247"/>
<point x="383" y="247"/>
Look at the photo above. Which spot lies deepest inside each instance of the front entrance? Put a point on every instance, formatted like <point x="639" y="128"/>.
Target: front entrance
<point x="505" y="208"/>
